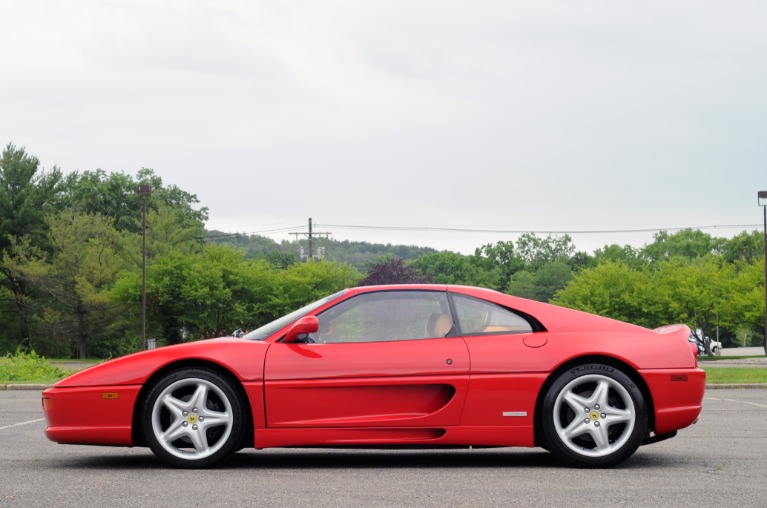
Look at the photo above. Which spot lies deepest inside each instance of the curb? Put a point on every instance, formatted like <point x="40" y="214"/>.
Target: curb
<point x="756" y="386"/>
<point x="14" y="387"/>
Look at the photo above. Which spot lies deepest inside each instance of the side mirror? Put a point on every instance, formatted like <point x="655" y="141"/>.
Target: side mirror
<point x="304" y="326"/>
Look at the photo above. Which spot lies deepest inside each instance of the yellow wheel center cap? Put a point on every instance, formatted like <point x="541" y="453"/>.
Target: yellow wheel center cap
<point x="594" y="415"/>
<point x="192" y="419"/>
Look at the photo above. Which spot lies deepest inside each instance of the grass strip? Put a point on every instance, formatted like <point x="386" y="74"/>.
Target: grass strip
<point x="735" y="375"/>
<point x="29" y="368"/>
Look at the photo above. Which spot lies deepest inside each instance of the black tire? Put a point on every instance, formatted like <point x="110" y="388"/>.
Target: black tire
<point x="193" y="418"/>
<point x="593" y="416"/>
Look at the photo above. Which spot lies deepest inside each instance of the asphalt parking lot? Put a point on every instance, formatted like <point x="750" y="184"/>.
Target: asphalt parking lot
<point x="718" y="462"/>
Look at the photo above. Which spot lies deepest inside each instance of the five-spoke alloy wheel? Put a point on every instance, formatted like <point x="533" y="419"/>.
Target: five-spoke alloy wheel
<point x="193" y="417"/>
<point x="593" y="416"/>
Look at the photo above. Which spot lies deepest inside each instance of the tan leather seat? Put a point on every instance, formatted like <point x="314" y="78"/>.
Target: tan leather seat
<point x="497" y="328"/>
<point x="439" y="325"/>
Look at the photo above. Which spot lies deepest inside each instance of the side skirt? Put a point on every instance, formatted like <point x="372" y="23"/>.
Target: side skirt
<point x="392" y="436"/>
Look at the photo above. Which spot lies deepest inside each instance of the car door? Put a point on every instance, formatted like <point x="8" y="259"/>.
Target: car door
<point x="507" y="356"/>
<point x="380" y="359"/>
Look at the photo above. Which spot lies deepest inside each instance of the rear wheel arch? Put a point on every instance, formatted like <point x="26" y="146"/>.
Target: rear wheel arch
<point x="585" y="360"/>
<point x="136" y="427"/>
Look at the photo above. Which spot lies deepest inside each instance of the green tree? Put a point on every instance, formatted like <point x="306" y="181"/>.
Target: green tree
<point x="453" y="268"/>
<point x="116" y="195"/>
<point x="693" y="291"/>
<point x="211" y="293"/>
<point x="611" y="289"/>
<point x="537" y="251"/>
<point x="165" y="234"/>
<point x="166" y="295"/>
<point x="524" y="285"/>
<point x="501" y="261"/>
<point x="704" y="292"/>
<point x="232" y="293"/>
<point x="745" y="307"/>
<point x="615" y="253"/>
<point x="26" y="194"/>
<point x="580" y="261"/>
<point x="687" y="243"/>
<point x="109" y="194"/>
<point x="542" y="284"/>
<point x="304" y="283"/>
<point x="747" y="246"/>
<point x="76" y="277"/>
<point x="195" y="295"/>
<point x="280" y="260"/>
<point x="550" y="278"/>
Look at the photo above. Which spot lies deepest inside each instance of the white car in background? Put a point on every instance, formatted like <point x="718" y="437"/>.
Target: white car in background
<point x="715" y="345"/>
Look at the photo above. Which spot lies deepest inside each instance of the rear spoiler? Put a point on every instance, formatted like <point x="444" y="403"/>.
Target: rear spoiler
<point x="674" y="330"/>
<point x="683" y="332"/>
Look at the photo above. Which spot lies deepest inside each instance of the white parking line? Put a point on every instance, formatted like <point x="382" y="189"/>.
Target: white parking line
<point x="22" y="423"/>
<point x="716" y="398"/>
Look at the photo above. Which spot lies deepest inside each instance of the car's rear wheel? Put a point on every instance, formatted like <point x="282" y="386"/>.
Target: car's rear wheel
<point x="193" y="418"/>
<point x="593" y="416"/>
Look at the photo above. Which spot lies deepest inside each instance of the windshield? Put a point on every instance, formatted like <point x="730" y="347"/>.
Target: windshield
<point x="270" y="328"/>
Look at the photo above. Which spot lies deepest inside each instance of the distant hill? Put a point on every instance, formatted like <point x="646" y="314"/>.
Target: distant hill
<point x="358" y="254"/>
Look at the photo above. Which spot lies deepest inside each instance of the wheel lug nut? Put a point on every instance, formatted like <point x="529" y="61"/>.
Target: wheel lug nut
<point x="596" y="424"/>
<point x="595" y="407"/>
<point x="184" y="424"/>
<point x="185" y="413"/>
<point x="586" y="410"/>
<point x="194" y="427"/>
<point x="194" y="410"/>
<point x="602" y="415"/>
<point x="585" y="420"/>
<point x="202" y="418"/>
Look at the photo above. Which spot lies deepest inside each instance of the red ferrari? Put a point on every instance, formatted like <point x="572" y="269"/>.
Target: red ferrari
<point x="408" y="365"/>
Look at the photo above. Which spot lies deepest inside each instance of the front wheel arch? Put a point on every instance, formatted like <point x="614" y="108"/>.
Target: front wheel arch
<point x="136" y="429"/>
<point x="193" y="417"/>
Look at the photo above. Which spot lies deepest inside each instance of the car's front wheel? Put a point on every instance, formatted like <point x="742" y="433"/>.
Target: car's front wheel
<point x="193" y="418"/>
<point x="593" y="416"/>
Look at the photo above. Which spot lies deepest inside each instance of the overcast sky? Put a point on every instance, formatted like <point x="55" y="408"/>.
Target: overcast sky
<point x="509" y="115"/>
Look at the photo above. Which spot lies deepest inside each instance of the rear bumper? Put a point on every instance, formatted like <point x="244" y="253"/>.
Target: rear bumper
<point x="677" y="396"/>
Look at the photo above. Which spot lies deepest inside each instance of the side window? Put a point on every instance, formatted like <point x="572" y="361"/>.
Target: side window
<point x="386" y="316"/>
<point x="478" y="316"/>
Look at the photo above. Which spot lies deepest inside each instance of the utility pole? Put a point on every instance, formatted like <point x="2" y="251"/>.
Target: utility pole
<point x="145" y="191"/>
<point x="762" y="201"/>
<point x="310" y="235"/>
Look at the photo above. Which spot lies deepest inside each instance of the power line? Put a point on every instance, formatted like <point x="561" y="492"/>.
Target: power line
<point x="533" y="231"/>
<point x="444" y="229"/>
<point x="250" y="233"/>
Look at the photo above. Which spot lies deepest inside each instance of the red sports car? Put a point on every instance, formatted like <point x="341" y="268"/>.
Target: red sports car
<point x="408" y="365"/>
